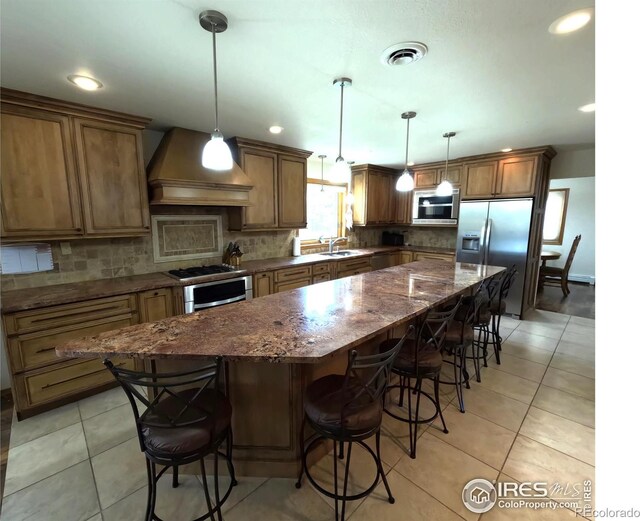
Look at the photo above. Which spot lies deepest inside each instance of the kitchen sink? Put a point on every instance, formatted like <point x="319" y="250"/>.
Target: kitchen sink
<point x="338" y="253"/>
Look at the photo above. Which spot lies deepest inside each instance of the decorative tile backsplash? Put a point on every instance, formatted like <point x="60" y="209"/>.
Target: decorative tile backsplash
<point x="92" y="259"/>
<point x="180" y="237"/>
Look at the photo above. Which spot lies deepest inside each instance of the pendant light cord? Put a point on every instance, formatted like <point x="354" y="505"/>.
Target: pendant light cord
<point x="406" y="152"/>
<point x="215" y="79"/>
<point x="341" y="105"/>
<point x="446" y="165"/>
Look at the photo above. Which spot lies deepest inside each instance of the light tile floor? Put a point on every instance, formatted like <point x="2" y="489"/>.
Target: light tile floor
<point x="531" y="418"/>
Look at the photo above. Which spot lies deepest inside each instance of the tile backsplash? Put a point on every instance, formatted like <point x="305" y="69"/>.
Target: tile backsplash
<point x="92" y="259"/>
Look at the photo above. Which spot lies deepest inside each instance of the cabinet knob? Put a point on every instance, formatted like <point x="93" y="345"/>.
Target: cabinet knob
<point x="155" y="293"/>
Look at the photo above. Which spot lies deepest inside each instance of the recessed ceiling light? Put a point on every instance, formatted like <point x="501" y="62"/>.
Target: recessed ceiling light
<point x="506" y="150"/>
<point x="84" y="82"/>
<point x="275" y="129"/>
<point x="589" y="107"/>
<point x="571" y="22"/>
<point x="410" y="163"/>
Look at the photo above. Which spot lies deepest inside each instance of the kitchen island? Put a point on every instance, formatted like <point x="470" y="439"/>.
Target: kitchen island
<point x="276" y="345"/>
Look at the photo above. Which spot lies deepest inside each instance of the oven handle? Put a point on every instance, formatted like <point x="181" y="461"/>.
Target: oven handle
<point x="219" y="302"/>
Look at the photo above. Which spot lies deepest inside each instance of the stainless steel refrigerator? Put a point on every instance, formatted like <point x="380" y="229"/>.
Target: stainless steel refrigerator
<point x="497" y="233"/>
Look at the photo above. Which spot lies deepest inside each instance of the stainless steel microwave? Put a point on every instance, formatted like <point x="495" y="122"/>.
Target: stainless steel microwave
<point x="432" y="209"/>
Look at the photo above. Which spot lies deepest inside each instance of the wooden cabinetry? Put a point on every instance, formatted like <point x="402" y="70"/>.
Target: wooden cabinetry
<point x="432" y="176"/>
<point x="292" y="278"/>
<point x="112" y="178"/>
<point x="509" y="177"/>
<point x="376" y="200"/>
<point x="41" y="380"/>
<point x="278" y="198"/>
<point x="262" y="284"/>
<point x="421" y="255"/>
<point x="155" y="304"/>
<point x="347" y="268"/>
<point x="70" y="171"/>
<point x="406" y="256"/>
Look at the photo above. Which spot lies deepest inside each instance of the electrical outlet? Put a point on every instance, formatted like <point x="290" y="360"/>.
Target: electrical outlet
<point x="65" y="248"/>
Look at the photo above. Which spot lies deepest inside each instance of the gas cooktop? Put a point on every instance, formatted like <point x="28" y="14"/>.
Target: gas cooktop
<point x="200" y="271"/>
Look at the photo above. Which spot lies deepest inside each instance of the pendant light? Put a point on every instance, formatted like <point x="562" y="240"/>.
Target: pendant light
<point x="405" y="181"/>
<point x="322" y="156"/>
<point x="445" y="188"/>
<point x="341" y="171"/>
<point x="215" y="154"/>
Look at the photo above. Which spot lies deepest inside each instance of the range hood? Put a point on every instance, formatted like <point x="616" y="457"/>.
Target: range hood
<point x="176" y="174"/>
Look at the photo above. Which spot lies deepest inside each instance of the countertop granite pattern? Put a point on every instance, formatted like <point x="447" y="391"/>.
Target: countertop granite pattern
<point x="299" y="326"/>
<point x="33" y="298"/>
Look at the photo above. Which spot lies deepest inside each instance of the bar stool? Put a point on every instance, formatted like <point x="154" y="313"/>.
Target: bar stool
<point x="421" y="358"/>
<point x="180" y="426"/>
<point x="348" y="409"/>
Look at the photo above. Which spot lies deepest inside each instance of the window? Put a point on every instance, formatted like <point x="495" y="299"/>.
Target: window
<point x="555" y="215"/>
<point x="324" y="211"/>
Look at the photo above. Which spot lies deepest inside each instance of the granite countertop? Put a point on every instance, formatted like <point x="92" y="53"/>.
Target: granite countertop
<point x="304" y="325"/>
<point x="33" y="298"/>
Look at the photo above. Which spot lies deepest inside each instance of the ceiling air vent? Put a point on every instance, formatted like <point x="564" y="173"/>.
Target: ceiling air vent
<point x="403" y="53"/>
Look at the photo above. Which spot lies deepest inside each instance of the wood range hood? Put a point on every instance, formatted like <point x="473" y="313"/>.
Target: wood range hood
<point x="176" y="175"/>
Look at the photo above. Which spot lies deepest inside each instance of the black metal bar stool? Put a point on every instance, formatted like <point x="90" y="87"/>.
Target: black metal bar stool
<point x="421" y="358"/>
<point x="180" y="426"/>
<point x="348" y="409"/>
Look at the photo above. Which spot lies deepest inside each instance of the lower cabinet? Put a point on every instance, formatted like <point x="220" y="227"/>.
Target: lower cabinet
<point x="348" y="268"/>
<point x="292" y="278"/>
<point x="428" y="255"/>
<point x="41" y="380"/>
<point x="262" y="284"/>
<point x="406" y="256"/>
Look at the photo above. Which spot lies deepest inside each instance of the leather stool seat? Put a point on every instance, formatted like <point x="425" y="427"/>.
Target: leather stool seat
<point x="188" y="439"/>
<point x="455" y="332"/>
<point x="429" y="360"/>
<point x="323" y="404"/>
<point x="498" y="309"/>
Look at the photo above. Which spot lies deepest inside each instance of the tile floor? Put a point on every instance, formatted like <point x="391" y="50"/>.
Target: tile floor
<point x="530" y="419"/>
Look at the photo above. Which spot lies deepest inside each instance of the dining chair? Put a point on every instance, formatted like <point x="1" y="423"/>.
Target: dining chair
<point x="552" y="276"/>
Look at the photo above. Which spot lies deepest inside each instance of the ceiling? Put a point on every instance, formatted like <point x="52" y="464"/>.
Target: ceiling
<point x="493" y="72"/>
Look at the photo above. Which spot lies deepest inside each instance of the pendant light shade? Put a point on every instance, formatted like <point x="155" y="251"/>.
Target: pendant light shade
<point x="445" y="188"/>
<point x="405" y="181"/>
<point x="216" y="154"/>
<point x="341" y="171"/>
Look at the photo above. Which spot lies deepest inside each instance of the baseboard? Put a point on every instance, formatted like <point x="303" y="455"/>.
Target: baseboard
<point x="585" y="279"/>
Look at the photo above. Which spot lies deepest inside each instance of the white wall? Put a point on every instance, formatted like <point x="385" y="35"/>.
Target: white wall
<point x="580" y="221"/>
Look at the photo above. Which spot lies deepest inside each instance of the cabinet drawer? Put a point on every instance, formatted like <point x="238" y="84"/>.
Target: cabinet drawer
<point x="354" y="264"/>
<point x="321" y="278"/>
<point x="321" y="268"/>
<point x="286" y="286"/>
<point x="350" y="273"/>
<point x="51" y="384"/>
<point x="299" y="272"/>
<point x="439" y="256"/>
<point x="78" y="312"/>
<point x="37" y="349"/>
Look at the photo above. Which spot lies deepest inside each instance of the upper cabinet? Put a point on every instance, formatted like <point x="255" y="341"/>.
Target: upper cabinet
<point x="432" y="176"/>
<point x="513" y="176"/>
<point x="376" y="200"/>
<point x="70" y="171"/>
<point x="278" y="198"/>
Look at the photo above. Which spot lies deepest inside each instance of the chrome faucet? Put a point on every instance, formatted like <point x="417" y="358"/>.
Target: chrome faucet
<point x="332" y="241"/>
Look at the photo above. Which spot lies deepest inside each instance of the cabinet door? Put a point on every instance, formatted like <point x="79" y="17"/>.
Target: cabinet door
<point x="294" y="284"/>
<point x="480" y="179"/>
<point x="453" y="174"/>
<point x="387" y="193"/>
<point x="40" y="196"/>
<point x="374" y="190"/>
<point x="426" y="178"/>
<point x="155" y="304"/>
<point x="517" y="177"/>
<point x="261" y="167"/>
<point x="405" y="257"/>
<point x="358" y="187"/>
<point x="292" y="192"/>
<point x="403" y="207"/>
<point x="112" y="179"/>
<point x="262" y="284"/>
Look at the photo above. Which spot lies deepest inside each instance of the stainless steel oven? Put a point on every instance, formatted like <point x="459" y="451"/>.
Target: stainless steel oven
<point x="218" y="293"/>
<point x="432" y="209"/>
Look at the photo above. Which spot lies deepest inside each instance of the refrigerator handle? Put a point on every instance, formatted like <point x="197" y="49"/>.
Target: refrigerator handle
<point x="483" y="242"/>
<point x="487" y="241"/>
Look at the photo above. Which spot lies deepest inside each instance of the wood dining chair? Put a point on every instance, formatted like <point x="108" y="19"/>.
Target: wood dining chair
<point x="559" y="276"/>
